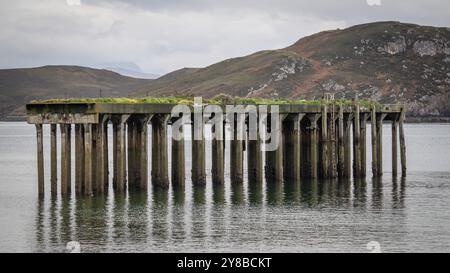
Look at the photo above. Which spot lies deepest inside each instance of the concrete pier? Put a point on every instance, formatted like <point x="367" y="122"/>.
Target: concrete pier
<point x="178" y="159"/>
<point x="218" y="153"/>
<point x="79" y="158"/>
<point x="274" y="158"/>
<point x="313" y="145"/>
<point x="40" y="158"/>
<point x="198" y="172"/>
<point x="292" y="146"/>
<point x="160" y="162"/>
<point x="119" y="122"/>
<point x="402" y="142"/>
<point x="379" y="140"/>
<point x="394" y="145"/>
<point x="88" y="159"/>
<point x="237" y="149"/>
<point x="65" y="158"/>
<point x="315" y="141"/>
<point x="363" y="148"/>
<point x="356" y="143"/>
<point x="53" y="159"/>
<point x="324" y="141"/>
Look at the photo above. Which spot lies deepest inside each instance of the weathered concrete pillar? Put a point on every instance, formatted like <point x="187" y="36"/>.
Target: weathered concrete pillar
<point x="274" y="159"/>
<point x="356" y="143"/>
<point x="132" y="151"/>
<point x="332" y="141"/>
<point x="105" y="156"/>
<point x="100" y="146"/>
<point x="373" y="120"/>
<point x="53" y="159"/>
<point x="115" y="136"/>
<point x="292" y="143"/>
<point x="402" y="143"/>
<point x="341" y="149"/>
<point x="198" y="172"/>
<point x="160" y="173"/>
<point x="142" y="151"/>
<point x="87" y="159"/>
<point x="218" y="154"/>
<point x="394" y="144"/>
<point x="313" y="167"/>
<point x="120" y="162"/>
<point x="79" y="158"/>
<point x="254" y="157"/>
<point x="363" y="148"/>
<point x="347" y="142"/>
<point x="65" y="158"/>
<point x="379" y="131"/>
<point x="237" y="149"/>
<point x="94" y="157"/>
<point x="324" y="157"/>
<point x="178" y="157"/>
<point x="40" y="158"/>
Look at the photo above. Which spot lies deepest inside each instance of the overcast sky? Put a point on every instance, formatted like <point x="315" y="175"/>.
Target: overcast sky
<point x="164" y="35"/>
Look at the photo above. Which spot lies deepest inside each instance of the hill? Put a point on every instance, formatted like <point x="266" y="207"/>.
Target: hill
<point x="386" y="61"/>
<point x="19" y="86"/>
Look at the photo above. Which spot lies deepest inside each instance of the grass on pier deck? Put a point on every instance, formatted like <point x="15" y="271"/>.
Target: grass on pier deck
<point x="216" y="100"/>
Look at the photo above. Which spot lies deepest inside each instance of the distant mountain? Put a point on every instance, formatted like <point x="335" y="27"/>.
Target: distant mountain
<point x="20" y="86"/>
<point x="386" y="61"/>
<point x="132" y="73"/>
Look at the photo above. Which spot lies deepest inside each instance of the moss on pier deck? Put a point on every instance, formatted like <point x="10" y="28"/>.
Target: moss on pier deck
<point x="216" y="100"/>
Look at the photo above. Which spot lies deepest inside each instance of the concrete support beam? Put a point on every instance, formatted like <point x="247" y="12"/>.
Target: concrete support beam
<point x="394" y="145"/>
<point x="237" y="149"/>
<point x="65" y="159"/>
<point x="132" y="152"/>
<point x="100" y="146"/>
<point x="142" y="151"/>
<point x="40" y="158"/>
<point x="87" y="159"/>
<point x="363" y="148"/>
<point x="119" y="122"/>
<point x="373" y="120"/>
<point x="53" y="160"/>
<point x="178" y="158"/>
<point x="332" y="141"/>
<point x="402" y="143"/>
<point x="341" y="149"/>
<point x="292" y="146"/>
<point x="160" y="164"/>
<point x="356" y="143"/>
<point x="347" y="144"/>
<point x="198" y="173"/>
<point x="105" y="156"/>
<point x="324" y="156"/>
<point x="313" y="148"/>
<point x="218" y="154"/>
<point x="274" y="159"/>
<point x="94" y="157"/>
<point x="79" y="158"/>
<point x="379" y="136"/>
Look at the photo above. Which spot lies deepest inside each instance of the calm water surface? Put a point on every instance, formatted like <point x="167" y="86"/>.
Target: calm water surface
<point x="325" y="216"/>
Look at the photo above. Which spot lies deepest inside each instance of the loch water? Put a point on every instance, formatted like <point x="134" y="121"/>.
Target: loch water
<point x="399" y="214"/>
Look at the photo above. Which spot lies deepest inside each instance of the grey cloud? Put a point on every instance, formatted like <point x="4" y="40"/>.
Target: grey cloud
<point x="161" y="36"/>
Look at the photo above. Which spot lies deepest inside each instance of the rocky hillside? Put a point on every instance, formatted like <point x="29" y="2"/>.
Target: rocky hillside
<point x="386" y="61"/>
<point x="20" y="86"/>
